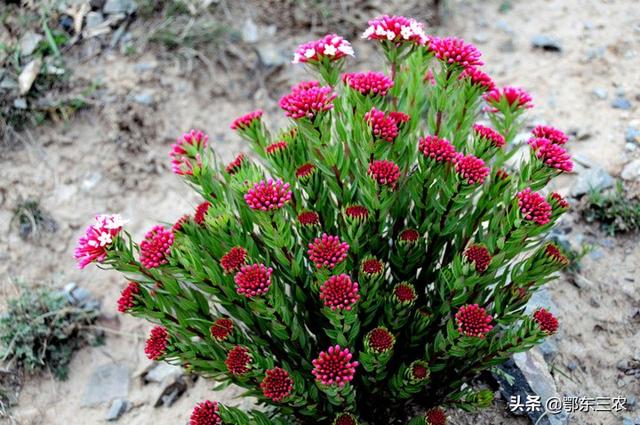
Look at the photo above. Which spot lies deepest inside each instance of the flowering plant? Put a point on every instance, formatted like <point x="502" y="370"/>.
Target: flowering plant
<point x="376" y="258"/>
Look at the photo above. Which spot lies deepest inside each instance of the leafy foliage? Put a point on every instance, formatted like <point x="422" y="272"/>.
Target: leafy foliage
<point x="377" y="258"/>
<point x="616" y="210"/>
<point x="41" y="329"/>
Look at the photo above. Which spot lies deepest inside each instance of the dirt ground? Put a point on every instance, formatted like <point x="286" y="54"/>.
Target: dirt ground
<point x="113" y="158"/>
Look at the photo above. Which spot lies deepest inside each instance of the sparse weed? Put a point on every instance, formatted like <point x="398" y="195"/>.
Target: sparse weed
<point x="617" y="211"/>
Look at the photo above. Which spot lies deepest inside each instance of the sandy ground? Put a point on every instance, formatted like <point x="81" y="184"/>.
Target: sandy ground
<point x="113" y="158"/>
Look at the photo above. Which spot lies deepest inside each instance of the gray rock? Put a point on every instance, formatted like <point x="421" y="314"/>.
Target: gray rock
<point x="118" y="408"/>
<point x="159" y="372"/>
<point x="549" y="348"/>
<point x="94" y="19"/>
<point x="272" y="54"/>
<point x="536" y="372"/>
<point x="632" y="402"/>
<point x="144" y="67"/>
<point x="541" y="298"/>
<point x="621" y="103"/>
<point x="594" y="178"/>
<point x="632" y="135"/>
<point x="8" y="83"/>
<point x="120" y="6"/>
<point x="630" y="147"/>
<point x="144" y="98"/>
<point x="172" y="388"/>
<point x="631" y="171"/>
<point x="595" y="53"/>
<point x="249" y="31"/>
<point x="481" y="38"/>
<point x="80" y="297"/>
<point x="572" y="366"/>
<point x="97" y="4"/>
<point x="107" y="382"/>
<point x="599" y="93"/>
<point x="504" y="26"/>
<point x="546" y="42"/>
<point x="29" y="43"/>
<point x="20" y="103"/>
<point x="507" y="46"/>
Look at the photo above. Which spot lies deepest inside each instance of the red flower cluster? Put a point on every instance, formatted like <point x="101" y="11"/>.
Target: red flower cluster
<point x="419" y="370"/>
<point x="436" y="416"/>
<point x="473" y="320"/>
<point x="409" y="236"/>
<point x="238" y="360"/>
<point x="552" y="252"/>
<point x="187" y="148"/>
<point x="552" y="134"/>
<point x="276" y="148"/>
<point x="345" y="419"/>
<point x="156" y="247"/>
<point x="334" y="366"/>
<point x="157" y="343"/>
<point x="221" y="328"/>
<point x="235" y="165"/>
<point x="552" y="155"/>
<point x="247" y="121"/>
<point x="502" y="174"/>
<point x="380" y="340"/>
<point x="205" y="413"/>
<point x="233" y="260"/>
<point x="489" y="134"/>
<point x="268" y="196"/>
<point x="534" y="207"/>
<point x="327" y="251"/>
<point x="305" y="170"/>
<point x="97" y="238"/>
<point x="357" y="212"/>
<point x="127" y="298"/>
<point x="515" y="97"/>
<point x="558" y="199"/>
<point x="472" y="169"/>
<point x="479" y="255"/>
<point x="276" y="385"/>
<point x="438" y="149"/>
<point x="253" y="280"/>
<point x="201" y="212"/>
<point x="331" y="46"/>
<point x="547" y="321"/>
<point x="397" y="29"/>
<point x="478" y="79"/>
<point x="368" y="83"/>
<point x="384" y="172"/>
<point x="382" y="126"/>
<point x="309" y="218"/>
<point x="307" y="99"/>
<point x="453" y="50"/>
<point x="399" y="117"/>
<point x="339" y="292"/>
<point x="177" y="226"/>
<point x="372" y="267"/>
<point x="405" y="293"/>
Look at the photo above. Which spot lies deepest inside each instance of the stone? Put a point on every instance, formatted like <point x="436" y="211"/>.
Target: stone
<point x="249" y="31"/>
<point x="118" y="408"/>
<point x="172" y="388"/>
<point x="481" y="37"/>
<point x="29" y="43"/>
<point x="504" y="26"/>
<point x="107" y="382"/>
<point x="621" y="103"/>
<point x="545" y="42"/>
<point x="20" y="103"/>
<point x="631" y="171"/>
<point x="536" y="372"/>
<point x="159" y="372"/>
<point x="595" y="53"/>
<point x="595" y="178"/>
<point x="272" y="55"/>
<point x="541" y="298"/>
<point x="630" y="147"/>
<point x="144" y="98"/>
<point x="119" y="6"/>
<point x="632" y="135"/>
<point x="599" y="93"/>
<point x="508" y="46"/>
<point x="8" y="83"/>
<point x="94" y="19"/>
<point x="28" y="75"/>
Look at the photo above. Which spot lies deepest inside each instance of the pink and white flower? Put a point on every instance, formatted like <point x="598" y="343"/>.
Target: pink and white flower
<point x="331" y="46"/>
<point x="92" y="247"/>
<point x="398" y="29"/>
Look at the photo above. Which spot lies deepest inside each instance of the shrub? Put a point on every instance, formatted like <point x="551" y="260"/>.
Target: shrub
<point x="41" y="329"/>
<point x="376" y="259"/>
<point x="616" y="210"/>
